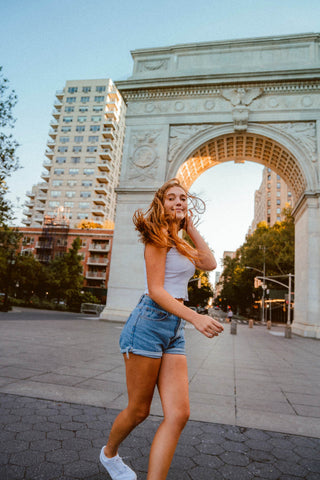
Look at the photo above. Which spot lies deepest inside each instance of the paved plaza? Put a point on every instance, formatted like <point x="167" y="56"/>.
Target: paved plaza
<point x="255" y="402"/>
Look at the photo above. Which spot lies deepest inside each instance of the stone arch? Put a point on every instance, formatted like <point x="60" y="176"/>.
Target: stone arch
<point x="259" y="144"/>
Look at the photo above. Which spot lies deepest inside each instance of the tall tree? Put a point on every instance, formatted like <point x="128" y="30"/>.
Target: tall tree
<point x="8" y="159"/>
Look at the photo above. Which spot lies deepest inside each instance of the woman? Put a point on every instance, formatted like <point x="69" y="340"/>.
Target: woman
<point x="152" y="340"/>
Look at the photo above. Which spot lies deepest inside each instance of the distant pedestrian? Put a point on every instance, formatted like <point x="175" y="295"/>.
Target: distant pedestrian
<point x="152" y="340"/>
<point x="230" y="314"/>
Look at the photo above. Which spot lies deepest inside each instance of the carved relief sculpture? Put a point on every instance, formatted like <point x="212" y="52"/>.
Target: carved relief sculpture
<point x="240" y="98"/>
<point x="144" y="160"/>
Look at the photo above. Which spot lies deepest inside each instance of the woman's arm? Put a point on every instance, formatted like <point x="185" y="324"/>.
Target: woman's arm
<point x="206" y="260"/>
<point x="155" y="259"/>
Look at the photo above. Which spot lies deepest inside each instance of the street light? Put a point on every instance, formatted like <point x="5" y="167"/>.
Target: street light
<point x="263" y="285"/>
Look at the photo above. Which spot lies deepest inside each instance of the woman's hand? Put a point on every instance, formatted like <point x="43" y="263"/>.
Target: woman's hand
<point x="207" y="325"/>
<point x="188" y="222"/>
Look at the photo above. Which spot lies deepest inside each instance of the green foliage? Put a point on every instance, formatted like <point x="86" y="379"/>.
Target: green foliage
<point x="75" y="298"/>
<point x="8" y="159"/>
<point x="273" y="244"/>
<point x="200" y="296"/>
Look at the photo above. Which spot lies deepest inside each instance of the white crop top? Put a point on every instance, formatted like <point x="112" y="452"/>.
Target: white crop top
<point x="179" y="270"/>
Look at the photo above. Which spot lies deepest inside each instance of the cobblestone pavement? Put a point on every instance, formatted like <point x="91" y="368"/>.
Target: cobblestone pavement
<point x="50" y="440"/>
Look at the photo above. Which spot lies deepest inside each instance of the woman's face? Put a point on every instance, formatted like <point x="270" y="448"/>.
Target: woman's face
<point x="176" y="202"/>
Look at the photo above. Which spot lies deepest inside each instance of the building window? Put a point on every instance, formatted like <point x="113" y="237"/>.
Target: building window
<point x="94" y="128"/>
<point x="86" y="183"/>
<point x="269" y="170"/>
<point x="54" y="204"/>
<point x="92" y="149"/>
<point x="278" y="177"/>
<point x="84" y="205"/>
<point x="78" y="139"/>
<point x="75" y="159"/>
<point x="83" y="109"/>
<point x="69" y="109"/>
<point x="99" y="99"/>
<point x="72" y="183"/>
<point x="88" y="171"/>
<point x="77" y="149"/>
<point x="73" y="171"/>
<point x="58" y="171"/>
<point x="69" y="204"/>
<point x="96" y="118"/>
<point x="268" y="211"/>
<point x="70" y="99"/>
<point x="289" y="194"/>
<point x="101" y="88"/>
<point x="85" y="194"/>
<point x="278" y="185"/>
<point x="278" y="201"/>
<point x="72" y="89"/>
<point x="269" y="202"/>
<point x="97" y="108"/>
<point x="269" y="194"/>
<point x="278" y="194"/>
<point x="57" y="183"/>
<point x="61" y="159"/>
<point x="278" y="219"/>
<point x="85" y="99"/>
<point x="90" y="160"/>
<point x="93" y="138"/>
<point x="65" y="129"/>
<point x="82" y="118"/>
<point x="64" y="139"/>
<point x="62" y="149"/>
<point x="86" y="89"/>
<point x="70" y="194"/>
<point x="55" y="193"/>
<point x="80" y="128"/>
<point x="67" y="119"/>
<point x="278" y="210"/>
<point x="268" y="219"/>
<point x="83" y="216"/>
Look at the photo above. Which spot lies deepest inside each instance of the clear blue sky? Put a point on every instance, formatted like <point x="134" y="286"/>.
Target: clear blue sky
<point x="46" y="42"/>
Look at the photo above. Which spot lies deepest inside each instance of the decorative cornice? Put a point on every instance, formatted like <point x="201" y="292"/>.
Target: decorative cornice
<point x="141" y="94"/>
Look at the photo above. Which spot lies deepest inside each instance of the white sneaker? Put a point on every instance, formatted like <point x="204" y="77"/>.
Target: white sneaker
<point x="116" y="468"/>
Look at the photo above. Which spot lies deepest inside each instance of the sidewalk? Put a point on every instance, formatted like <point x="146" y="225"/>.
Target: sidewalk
<point x="254" y="398"/>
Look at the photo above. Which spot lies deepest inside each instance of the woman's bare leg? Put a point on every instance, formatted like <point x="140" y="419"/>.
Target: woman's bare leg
<point x="174" y="393"/>
<point x="142" y="374"/>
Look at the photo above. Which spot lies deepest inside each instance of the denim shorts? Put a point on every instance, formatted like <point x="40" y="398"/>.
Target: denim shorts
<point x="151" y="331"/>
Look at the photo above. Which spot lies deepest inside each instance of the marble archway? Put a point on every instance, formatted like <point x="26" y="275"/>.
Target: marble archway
<point x="190" y="107"/>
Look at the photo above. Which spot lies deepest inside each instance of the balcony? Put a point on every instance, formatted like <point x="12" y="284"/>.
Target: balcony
<point x="29" y="204"/>
<point x="107" y="144"/>
<point x="112" y="105"/>
<point x="40" y="207"/>
<point x="45" y="176"/>
<point x="47" y="164"/>
<point x="102" y="262"/>
<point x="27" y="221"/>
<point x="102" y="177"/>
<point x="101" y="189"/>
<point x="28" y="213"/>
<point x="53" y="133"/>
<point x="108" y="133"/>
<point x="49" y="153"/>
<point x="54" y="124"/>
<point x="106" y="155"/>
<point x="59" y="94"/>
<point x="100" y="200"/>
<point x="110" y="114"/>
<point x="96" y="275"/>
<point x="51" y="143"/>
<point x="43" y="186"/>
<point x="104" y="165"/>
<point x="108" y="122"/>
<point x="55" y="114"/>
<point x="99" y="247"/>
<point x="30" y="194"/>
<point x="98" y="210"/>
<point x="57" y="104"/>
<point x="114" y="94"/>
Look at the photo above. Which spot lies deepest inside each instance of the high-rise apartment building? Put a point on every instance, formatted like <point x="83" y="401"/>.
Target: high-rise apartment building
<point x="83" y="156"/>
<point x="270" y="199"/>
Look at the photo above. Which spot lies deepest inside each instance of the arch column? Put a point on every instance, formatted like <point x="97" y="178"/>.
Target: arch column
<point x="307" y="266"/>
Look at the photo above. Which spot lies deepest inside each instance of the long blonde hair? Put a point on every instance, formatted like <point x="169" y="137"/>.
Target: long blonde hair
<point x="160" y="229"/>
